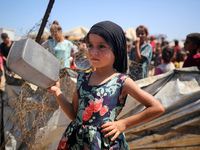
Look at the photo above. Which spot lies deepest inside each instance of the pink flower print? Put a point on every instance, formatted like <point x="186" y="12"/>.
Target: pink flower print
<point x="97" y="104"/>
<point x="103" y="110"/>
<point x="84" y="126"/>
<point x="62" y="144"/>
<point x="122" y="78"/>
<point x="94" y="106"/>
<point x="87" y="113"/>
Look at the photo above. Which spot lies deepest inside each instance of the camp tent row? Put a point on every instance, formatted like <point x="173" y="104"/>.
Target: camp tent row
<point x="80" y="32"/>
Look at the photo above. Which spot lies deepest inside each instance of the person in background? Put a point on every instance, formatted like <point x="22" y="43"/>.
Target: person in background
<point x="54" y="22"/>
<point x="166" y="43"/>
<point x="67" y="37"/>
<point x="59" y="47"/>
<point x="128" y="44"/>
<point x="100" y="95"/>
<point x="5" y="48"/>
<point x="140" y="55"/>
<point x="152" y="42"/>
<point x="167" y="65"/>
<point x="192" y="45"/>
<point x="180" y="58"/>
<point x="176" y="49"/>
<point x="162" y="41"/>
<point x="158" y="55"/>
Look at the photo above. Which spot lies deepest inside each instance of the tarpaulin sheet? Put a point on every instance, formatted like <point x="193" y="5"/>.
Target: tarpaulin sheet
<point x="44" y="121"/>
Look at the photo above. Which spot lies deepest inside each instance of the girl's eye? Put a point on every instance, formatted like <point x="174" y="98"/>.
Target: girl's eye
<point x="140" y="34"/>
<point x="89" y="45"/>
<point x="102" y="46"/>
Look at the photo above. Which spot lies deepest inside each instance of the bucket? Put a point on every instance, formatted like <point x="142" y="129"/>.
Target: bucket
<point x="33" y="63"/>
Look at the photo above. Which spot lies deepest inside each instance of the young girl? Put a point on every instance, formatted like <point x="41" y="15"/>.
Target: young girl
<point x="140" y="55"/>
<point x="101" y="95"/>
<point x="167" y="65"/>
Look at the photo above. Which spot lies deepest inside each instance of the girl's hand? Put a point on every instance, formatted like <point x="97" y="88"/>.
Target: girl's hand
<point x="115" y="128"/>
<point x="137" y="42"/>
<point x="54" y="88"/>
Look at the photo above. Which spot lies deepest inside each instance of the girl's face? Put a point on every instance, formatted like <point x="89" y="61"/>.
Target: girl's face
<point x="99" y="53"/>
<point x="57" y="35"/>
<point x="189" y="46"/>
<point x="142" y="35"/>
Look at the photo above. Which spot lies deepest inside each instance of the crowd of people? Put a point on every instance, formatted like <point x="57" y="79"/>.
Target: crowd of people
<point x="159" y="56"/>
<point x="145" y="53"/>
<point x="102" y="89"/>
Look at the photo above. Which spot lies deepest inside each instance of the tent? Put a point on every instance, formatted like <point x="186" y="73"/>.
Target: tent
<point x="130" y="33"/>
<point x="79" y="31"/>
<point x="34" y="34"/>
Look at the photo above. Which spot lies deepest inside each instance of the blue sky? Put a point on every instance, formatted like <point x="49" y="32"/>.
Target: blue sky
<point x="174" y="18"/>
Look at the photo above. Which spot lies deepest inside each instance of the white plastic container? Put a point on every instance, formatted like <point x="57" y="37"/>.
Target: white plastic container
<point x="33" y="63"/>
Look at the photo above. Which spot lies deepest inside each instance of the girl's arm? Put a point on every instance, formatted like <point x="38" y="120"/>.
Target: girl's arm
<point x="153" y="110"/>
<point x="69" y="108"/>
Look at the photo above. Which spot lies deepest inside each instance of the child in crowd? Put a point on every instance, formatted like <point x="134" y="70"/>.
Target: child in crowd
<point x="192" y="44"/>
<point x="180" y="58"/>
<point x="140" y="55"/>
<point x="158" y="57"/>
<point x="167" y="65"/>
<point x="101" y="95"/>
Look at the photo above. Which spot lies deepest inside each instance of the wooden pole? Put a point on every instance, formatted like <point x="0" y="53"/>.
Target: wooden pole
<point x="44" y="20"/>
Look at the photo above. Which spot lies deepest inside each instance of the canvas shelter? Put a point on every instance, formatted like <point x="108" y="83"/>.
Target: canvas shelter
<point x="131" y="34"/>
<point x="34" y="34"/>
<point x="177" y="128"/>
<point x="78" y="32"/>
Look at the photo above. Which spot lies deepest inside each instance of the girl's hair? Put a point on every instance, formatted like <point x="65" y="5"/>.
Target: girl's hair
<point x="167" y="54"/>
<point x="142" y="27"/>
<point x="194" y="38"/>
<point x="114" y="36"/>
<point x="55" y="27"/>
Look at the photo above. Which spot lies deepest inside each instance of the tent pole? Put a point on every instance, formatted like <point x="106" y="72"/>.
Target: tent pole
<point x="44" y="20"/>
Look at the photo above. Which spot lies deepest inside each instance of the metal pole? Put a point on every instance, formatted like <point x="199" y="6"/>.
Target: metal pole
<point x="44" y="20"/>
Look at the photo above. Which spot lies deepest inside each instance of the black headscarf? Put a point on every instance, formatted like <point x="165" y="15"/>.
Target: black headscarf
<point x="114" y="36"/>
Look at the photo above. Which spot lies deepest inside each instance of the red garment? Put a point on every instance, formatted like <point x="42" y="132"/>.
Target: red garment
<point x="72" y="63"/>
<point x="177" y="48"/>
<point x="153" y="45"/>
<point x="193" y="60"/>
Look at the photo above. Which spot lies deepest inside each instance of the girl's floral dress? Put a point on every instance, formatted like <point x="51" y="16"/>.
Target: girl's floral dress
<point x="97" y="106"/>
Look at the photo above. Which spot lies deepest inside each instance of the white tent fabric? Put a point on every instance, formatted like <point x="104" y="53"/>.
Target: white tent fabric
<point x="178" y="128"/>
<point x="77" y="32"/>
<point x="34" y="34"/>
<point x="131" y="34"/>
